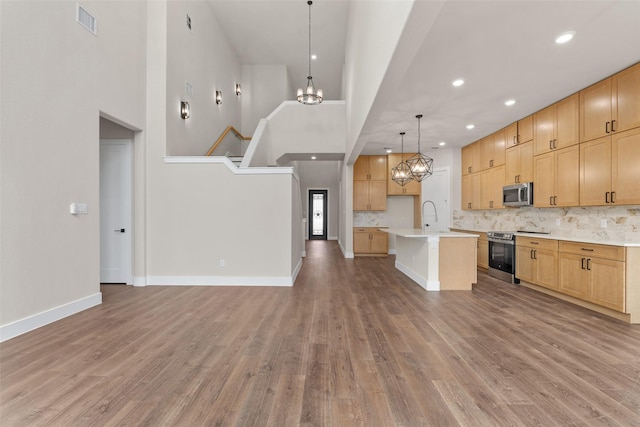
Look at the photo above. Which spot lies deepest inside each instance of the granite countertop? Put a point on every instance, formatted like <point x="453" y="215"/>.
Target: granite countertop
<point x="560" y="236"/>
<point x="418" y="233"/>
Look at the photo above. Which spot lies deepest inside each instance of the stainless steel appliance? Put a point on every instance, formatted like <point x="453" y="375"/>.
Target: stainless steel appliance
<point x="518" y="194"/>
<point x="502" y="256"/>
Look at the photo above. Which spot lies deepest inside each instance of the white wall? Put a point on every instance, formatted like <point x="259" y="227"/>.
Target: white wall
<point x="321" y="175"/>
<point x="203" y="57"/>
<point x="264" y="87"/>
<point x="56" y="80"/>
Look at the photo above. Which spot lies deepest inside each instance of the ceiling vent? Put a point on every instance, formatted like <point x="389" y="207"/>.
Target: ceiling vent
<point x="85" y="19"/>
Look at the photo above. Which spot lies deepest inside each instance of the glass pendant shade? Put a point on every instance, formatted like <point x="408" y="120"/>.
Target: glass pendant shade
<point x="421" y="166"/>
<point x="401" y="174"/>
<point x="310" y="96"/>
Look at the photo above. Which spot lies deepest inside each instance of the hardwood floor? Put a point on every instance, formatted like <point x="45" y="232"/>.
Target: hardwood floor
<point x="353" y="343"/>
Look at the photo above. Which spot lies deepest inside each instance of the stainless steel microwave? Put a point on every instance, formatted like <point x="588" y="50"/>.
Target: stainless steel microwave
<point x="518" y="194"/>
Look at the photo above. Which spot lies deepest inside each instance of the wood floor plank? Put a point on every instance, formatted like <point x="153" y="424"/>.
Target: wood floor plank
<point x="353" y="343"/>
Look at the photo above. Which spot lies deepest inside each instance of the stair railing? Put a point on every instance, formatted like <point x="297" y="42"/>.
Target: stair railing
<point x="223" y="136"/>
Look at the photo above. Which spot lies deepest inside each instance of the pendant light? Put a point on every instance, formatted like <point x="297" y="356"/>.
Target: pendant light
<point x="401" y="174"/>
<point x="310" y="96"/>
<point x="421" y="166"/>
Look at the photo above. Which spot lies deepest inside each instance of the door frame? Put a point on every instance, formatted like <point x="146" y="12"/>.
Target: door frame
<point x="127" y="200"/>
<point x="325" y="219"/>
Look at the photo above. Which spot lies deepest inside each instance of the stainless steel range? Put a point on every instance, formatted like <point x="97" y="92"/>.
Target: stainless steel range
<point x="502" y="255"/>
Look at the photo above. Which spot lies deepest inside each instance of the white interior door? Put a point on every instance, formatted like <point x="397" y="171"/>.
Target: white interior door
<point x="437" y="188"/>
<point x="115" y="211"/>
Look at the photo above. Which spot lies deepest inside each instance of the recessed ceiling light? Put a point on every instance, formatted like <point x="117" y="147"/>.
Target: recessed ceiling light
<point x="313" y="157"/>
<point x="442" y="143"/>
<point x="470" y="126"/>
<point x="314" y="56"/>
<point x="565" y="37"/>
<point x="510" y="102"/>
<point x="388" y="150"/>
<point x="458" y="82"/>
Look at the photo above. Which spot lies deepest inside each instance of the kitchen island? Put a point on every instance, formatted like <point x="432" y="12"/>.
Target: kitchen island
<point x="436" y="260"/>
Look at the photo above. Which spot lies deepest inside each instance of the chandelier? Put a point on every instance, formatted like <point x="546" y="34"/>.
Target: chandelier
<point x="421" y="166"/>
<point x="401" y="174"/>
<point x="310" y="96"/>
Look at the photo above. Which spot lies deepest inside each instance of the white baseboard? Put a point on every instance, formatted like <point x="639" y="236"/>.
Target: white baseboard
<point x="219" y="281"/>
<point x="140" y="281"/>
<point x="38" y="320"/>
<point x="429" y="285"/>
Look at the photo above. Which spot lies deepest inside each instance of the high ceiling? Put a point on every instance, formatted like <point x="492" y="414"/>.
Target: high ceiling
<point x="503" y="50"/>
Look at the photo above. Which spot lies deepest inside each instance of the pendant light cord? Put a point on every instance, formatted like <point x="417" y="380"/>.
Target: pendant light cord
<point x="419" y="116"/>
<point x="309" y="3"/>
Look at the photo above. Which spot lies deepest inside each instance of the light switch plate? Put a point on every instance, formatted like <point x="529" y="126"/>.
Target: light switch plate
<point x="78" y="208"/>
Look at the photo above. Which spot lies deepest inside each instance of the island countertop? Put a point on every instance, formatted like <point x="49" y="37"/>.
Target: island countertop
<point x="417" y="233"/>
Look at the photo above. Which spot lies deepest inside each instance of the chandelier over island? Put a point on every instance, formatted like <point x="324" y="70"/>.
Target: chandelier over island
<point x="421" y="166"/>
<point x="401" y="174"/>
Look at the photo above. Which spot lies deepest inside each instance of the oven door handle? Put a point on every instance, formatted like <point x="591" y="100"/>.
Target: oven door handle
<point x="506" y="242"/>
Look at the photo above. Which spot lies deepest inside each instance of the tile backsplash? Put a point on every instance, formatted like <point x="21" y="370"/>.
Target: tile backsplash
<point x="622" y="222"/>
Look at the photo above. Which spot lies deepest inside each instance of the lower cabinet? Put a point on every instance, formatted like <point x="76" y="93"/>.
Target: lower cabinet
<point x="483" y="251"/>
<point x="370" y="241"/>
<point x="595" y="273"/>
<point x="537" y="261"/>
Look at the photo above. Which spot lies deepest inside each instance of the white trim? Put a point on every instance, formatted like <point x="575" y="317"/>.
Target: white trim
<point x="429" y="285"/>
<point x="220" y="280"/>
<point x="212" y="160"/>
<point x="286" y="103"/>
<point x="140" y="281"/>
<point x="296" y="270"/>
<point x="46" y="317"/>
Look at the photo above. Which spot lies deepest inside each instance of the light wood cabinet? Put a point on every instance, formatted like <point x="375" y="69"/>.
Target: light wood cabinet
<point x="609" y="171"/>
<point x="471" y="195"/>
<point x="519" y="164"/>
<point x="611" y="105"/>
<point x="370" y="241"/>
<point x="556" y="126"/>
<point x="556" y="177"/>
<point x="492" y="150"/>
<point x="470" y="159"/>
<point x="592" y="272"/>
<point x="412" y="188"/>
<point x="491" y="183"/>
<point x="370" y="168"/>
<point x="519" y="132"/>
<point x="370" y="183"/>
<point x="483" y="251"/>
<point x="537" y="261"/>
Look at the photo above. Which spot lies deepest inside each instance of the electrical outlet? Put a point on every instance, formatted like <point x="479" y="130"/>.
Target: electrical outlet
<point x="557" y="222"/>
<point x="603" y="223"/>
<point x="222" y="262"/>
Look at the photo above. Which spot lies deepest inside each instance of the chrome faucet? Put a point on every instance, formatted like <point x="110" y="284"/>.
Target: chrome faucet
<point x="435" y="211"/>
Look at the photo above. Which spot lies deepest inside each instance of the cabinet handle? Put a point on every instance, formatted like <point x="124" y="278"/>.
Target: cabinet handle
<point x="518" y="179"/>
<point x="606" y="197"/>
<point x="612" y="126"/>
<point x="613" y="197"/>
<point x="469" y="169"/>
<point x="535" y="254"/>
<point x="582" y="263"/>
<point x="606" y="127"/>
<point x="588" y="263"/>
<point x="531" y="254"/>
<point x="515" y="139"/>
<point x="587" y="249"/>
<point x="555" y="200"/>
<point x="534" y="243"/>
<point x="491" y="204"/>
<point x="550" y="200"/>
<point x="555" y="143"/>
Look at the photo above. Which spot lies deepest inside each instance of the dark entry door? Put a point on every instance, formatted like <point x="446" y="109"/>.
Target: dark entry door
<point x="318" y="214"/>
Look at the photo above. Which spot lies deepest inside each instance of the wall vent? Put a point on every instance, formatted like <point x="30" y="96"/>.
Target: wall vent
<point x="87" y="20"/>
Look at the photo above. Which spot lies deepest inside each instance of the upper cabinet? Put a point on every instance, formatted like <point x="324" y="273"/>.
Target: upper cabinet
<point x="519" y="164"/>
<point x="492" y="150"/>
<point x="370" y="168"/>
<point x="556" y="126"/>
<point x="610" y="106"/>
<point x="609" y="172"/>
<point x="370" y="183"/>
<point x="411" y="188"/>
<point x="519" y="132"/>
<point x="469" y="156"/>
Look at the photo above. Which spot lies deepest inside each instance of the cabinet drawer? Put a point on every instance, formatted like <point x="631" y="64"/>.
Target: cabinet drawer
<point x="535" y="243"/>
<point x="593" y="250"/>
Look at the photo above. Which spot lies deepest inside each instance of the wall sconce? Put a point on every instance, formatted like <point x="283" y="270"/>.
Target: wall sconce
<point x="218" y="97"/>
<point x="185" y="111"/>
<point x="238" y="89"/>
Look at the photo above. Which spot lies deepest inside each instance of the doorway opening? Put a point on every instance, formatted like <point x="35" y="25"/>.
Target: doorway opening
<point x="318" y="214"/>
